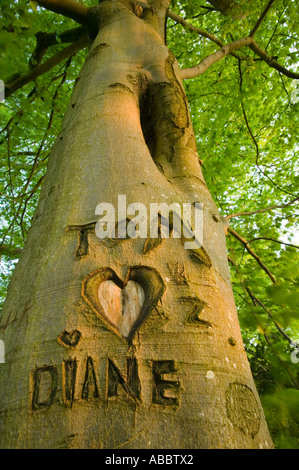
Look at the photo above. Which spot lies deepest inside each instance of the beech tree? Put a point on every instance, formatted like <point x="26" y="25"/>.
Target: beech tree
<point x="134" y="341"/>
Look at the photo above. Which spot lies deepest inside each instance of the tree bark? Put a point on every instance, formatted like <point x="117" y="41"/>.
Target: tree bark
<point x="76" y="375"/>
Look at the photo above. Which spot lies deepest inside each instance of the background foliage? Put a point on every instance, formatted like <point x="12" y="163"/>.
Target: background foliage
<point x="245" y="116"/>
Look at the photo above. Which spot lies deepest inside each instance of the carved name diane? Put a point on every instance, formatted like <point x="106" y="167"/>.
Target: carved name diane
<point x="122" y="305"/>
<point x="45" y="380"/>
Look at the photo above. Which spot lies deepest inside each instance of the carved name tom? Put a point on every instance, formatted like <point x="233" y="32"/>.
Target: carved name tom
<point x="123" y="305"/>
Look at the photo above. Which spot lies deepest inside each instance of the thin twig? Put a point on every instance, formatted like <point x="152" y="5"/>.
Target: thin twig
<point x="263" y="329"/>
<point x="259" y="302"/>
<point x="289" y="372"/>
<point x="250" y="133"/>
<point x="266" y="209"/>
<point x="261" y="18"/>
<point x="9" y="162"/>
<point x="254" y="139"/>
<point x="32" y="96"/>
<point x="34" y="73"/>
<point x="272" y="62"/>
<point x="275" y="28"/>
<point x="201" y="32"/>
<point x="251" y="252"/>
<point x="50" y="121"/>
<point x="46" y="40"/>
<point x="273" y="240"/>
<point x="32" y="192"/>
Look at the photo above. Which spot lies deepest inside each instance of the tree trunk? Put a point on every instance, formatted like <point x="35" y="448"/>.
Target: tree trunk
<point x="129" y="342"/>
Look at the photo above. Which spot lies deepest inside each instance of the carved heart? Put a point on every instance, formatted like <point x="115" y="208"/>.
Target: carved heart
<point x="123" y="305"/>
<point x="70" y="340"/>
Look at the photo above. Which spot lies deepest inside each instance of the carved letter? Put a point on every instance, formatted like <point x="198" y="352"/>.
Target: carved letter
<point x="162" y="389"/>
<point x="69" y="368"/>
<point x="131" y="385"/>
<point x="90" y="388"/>
<point x="83" y="231"/>
<point x="45" y="380"/>
<point x="193" y="316"/>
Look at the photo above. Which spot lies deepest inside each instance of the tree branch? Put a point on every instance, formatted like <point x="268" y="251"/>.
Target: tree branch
<point x="253" y="46"/>
<point x="46" y="40"/>
<point x="289" y="372"/>
<point x="261" y="18"/>
<point x="229" y="8"/>
<point x="65" y="53"/>
<point x="201" y="32"/>
<point x="213" y="58"/>
<point x="251" y="252"/>
<point x="41" y="145"/>
<point x="272" y="62"/>
<point x="254" y="139"/>
<point x="266" y="209"/>
<point x="273" y="240"/>
<point x="11" y="251"/>
<point x="263" y="329"/>
<point x="249" y="128"/>
<point x="257" y="301"/>
<point x="70" y="8"/>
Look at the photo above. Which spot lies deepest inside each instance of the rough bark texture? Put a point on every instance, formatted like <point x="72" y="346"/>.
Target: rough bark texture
<point x="176" y="375"/>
